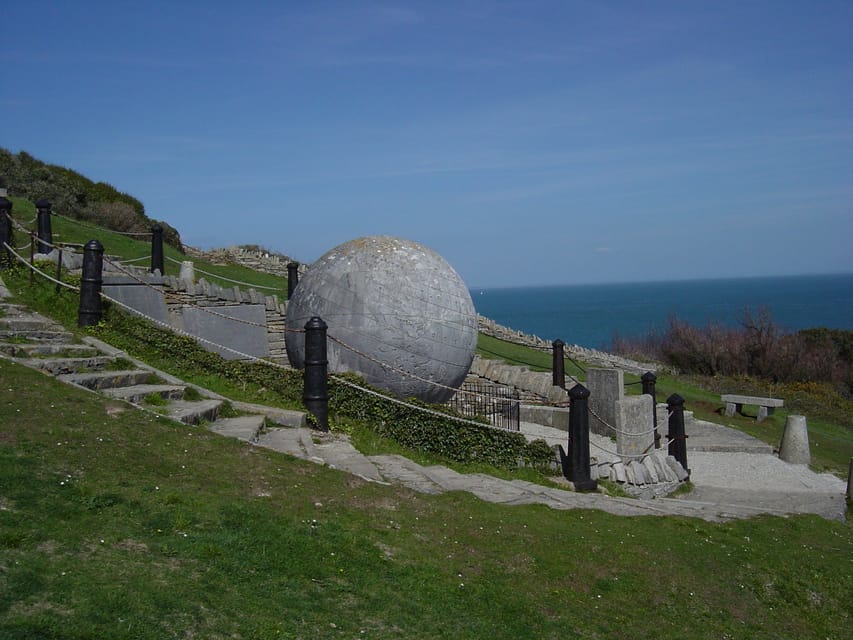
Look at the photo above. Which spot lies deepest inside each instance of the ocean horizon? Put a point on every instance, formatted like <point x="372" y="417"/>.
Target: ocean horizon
<point x="592" y="315"/>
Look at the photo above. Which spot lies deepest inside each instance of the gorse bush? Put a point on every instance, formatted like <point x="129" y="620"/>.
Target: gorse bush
<point x="758" y="347"/>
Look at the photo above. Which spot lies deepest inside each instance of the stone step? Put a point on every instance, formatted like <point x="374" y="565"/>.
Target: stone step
<point x="98" y="380"/>
<point x="282" y="417"/>
<point x="32" y="350"/>
<point x="137" y="393"/>
<point x="57" y="366"/>
<point x="338" y="453"/>
<point x="246" y="428"/>
<point x="54" y="337"/>
<point x="291" y="441"/>
<point x="24" y="323"/>
<point x="406" y="472"/>
<point x="194" y="412"/>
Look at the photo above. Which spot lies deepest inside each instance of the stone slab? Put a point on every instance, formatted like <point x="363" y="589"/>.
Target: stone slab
<point x="227" y="327"/>
<point x="144" y="300"/>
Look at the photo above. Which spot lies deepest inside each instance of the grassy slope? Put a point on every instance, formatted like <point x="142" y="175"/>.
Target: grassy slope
<point x="128" y="248"/>
<point x="120" y="524"/>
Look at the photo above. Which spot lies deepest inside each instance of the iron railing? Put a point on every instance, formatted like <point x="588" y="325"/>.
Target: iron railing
<point x="499" y="404"/>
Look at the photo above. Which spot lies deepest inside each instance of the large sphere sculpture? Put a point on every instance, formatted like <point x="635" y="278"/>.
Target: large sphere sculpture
<point x="397" y="314"/>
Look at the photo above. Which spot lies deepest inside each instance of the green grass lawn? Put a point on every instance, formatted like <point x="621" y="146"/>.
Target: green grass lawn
<point x="115" y="523"/>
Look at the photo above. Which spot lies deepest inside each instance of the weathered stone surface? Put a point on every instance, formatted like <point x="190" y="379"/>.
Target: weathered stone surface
<point x="395" y="307"/>
<point x="651" y="470"/>
<point x="677" y="469"/>
<point x="606" y="388"/>
<point x="619" y="470"/>
<point x="224" y="327"/>
<point x="635" y="419"/>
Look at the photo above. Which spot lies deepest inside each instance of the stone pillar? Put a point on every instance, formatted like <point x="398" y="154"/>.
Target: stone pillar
<point x="795" y="441"/>
<point x="606" y="387"/>
<point x="635" y="436"/>
<point x="187" y="273"/>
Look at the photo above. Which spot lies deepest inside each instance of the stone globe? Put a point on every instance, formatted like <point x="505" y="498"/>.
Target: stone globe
<point x="397" y="314"/>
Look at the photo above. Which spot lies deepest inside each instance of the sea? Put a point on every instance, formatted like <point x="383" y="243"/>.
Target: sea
<point x="592" y="315"/>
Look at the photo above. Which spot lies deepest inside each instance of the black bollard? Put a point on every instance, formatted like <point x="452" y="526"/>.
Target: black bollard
<point x="678" y="439"/>
<point x="315" y="395"/>
<point x="157" y="250"/>
<point x="292" y="278"/>
<point x="649" y="379"/>
<point x="45" y="234"/>
<point x="5" y="232"/>
<point x="576" y="463"/>
<point x="89" y="312"/>
<point x="558" y="365"/>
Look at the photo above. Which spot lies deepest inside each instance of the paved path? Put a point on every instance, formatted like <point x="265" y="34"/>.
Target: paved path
<point x="734" y="475"/>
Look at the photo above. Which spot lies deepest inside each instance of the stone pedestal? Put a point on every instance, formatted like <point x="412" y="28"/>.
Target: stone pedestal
<point x="795" y="441"/>
<point x="187" y="273"/>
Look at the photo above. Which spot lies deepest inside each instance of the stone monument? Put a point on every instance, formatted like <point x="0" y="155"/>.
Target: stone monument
<point x="397" y="314"/>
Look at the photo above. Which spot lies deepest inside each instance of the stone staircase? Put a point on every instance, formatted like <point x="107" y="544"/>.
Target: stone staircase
<point x="35" y="341"/>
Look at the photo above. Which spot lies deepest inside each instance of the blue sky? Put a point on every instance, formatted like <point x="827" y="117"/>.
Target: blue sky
<point x="527" y="142"/>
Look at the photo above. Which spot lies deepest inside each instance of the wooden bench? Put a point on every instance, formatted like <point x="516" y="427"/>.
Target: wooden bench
<point x="734" y="403"/>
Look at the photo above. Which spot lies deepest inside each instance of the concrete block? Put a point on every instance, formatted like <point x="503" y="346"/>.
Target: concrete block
<point x="619" y="470"/>
<point x="795" y="441"/>
<point x="245" y="338"/>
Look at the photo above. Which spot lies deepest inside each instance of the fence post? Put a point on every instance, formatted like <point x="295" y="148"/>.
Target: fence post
<point x="157" y="250"/>
<point x="58" y="269"/>
<point x="315" y="395"/>
<point x="89" y="312"/>
<point x="5" y="232"/>
<point x="678" y="445"/>
<point x="576" y="463"/>
<point x="649" y="379"/>
<point x="558" y="365"/>
<point x="292" y="278"/>
<point x="45" y="234"/>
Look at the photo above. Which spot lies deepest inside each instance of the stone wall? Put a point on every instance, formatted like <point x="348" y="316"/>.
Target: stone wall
<point x="207" y="294"/>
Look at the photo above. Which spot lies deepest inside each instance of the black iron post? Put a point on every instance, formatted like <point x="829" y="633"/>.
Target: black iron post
<point x="649" y="379"/>
<point x="89" y="312"/>
<point x="45" y="234"/>
<point x="576" y="463"/>
<point x="157" y="249"/>
<point x="678" y="439"/>
<point x="5" y="232"/>
<point x="292" y="278"/>
<point x="58" y="269"/>
<point x="315" y="395"/>
<point x="558" y="365"/>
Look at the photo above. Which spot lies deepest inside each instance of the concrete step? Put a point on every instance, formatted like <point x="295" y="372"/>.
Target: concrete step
<point x="57" y="366"/>
<point x="137" y="393"/>
<point x="98" y="380"/>
<point x="33" y="350"/>
<point x="45" y="335"/>
<point x="246" y="428"/>
<point x="193" y="412"/>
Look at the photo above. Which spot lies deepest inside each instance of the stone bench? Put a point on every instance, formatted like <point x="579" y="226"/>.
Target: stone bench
<point x="734" y="403"/>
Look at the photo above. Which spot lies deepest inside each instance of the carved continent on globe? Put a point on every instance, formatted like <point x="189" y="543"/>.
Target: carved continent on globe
<point x="389" y="301"/>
